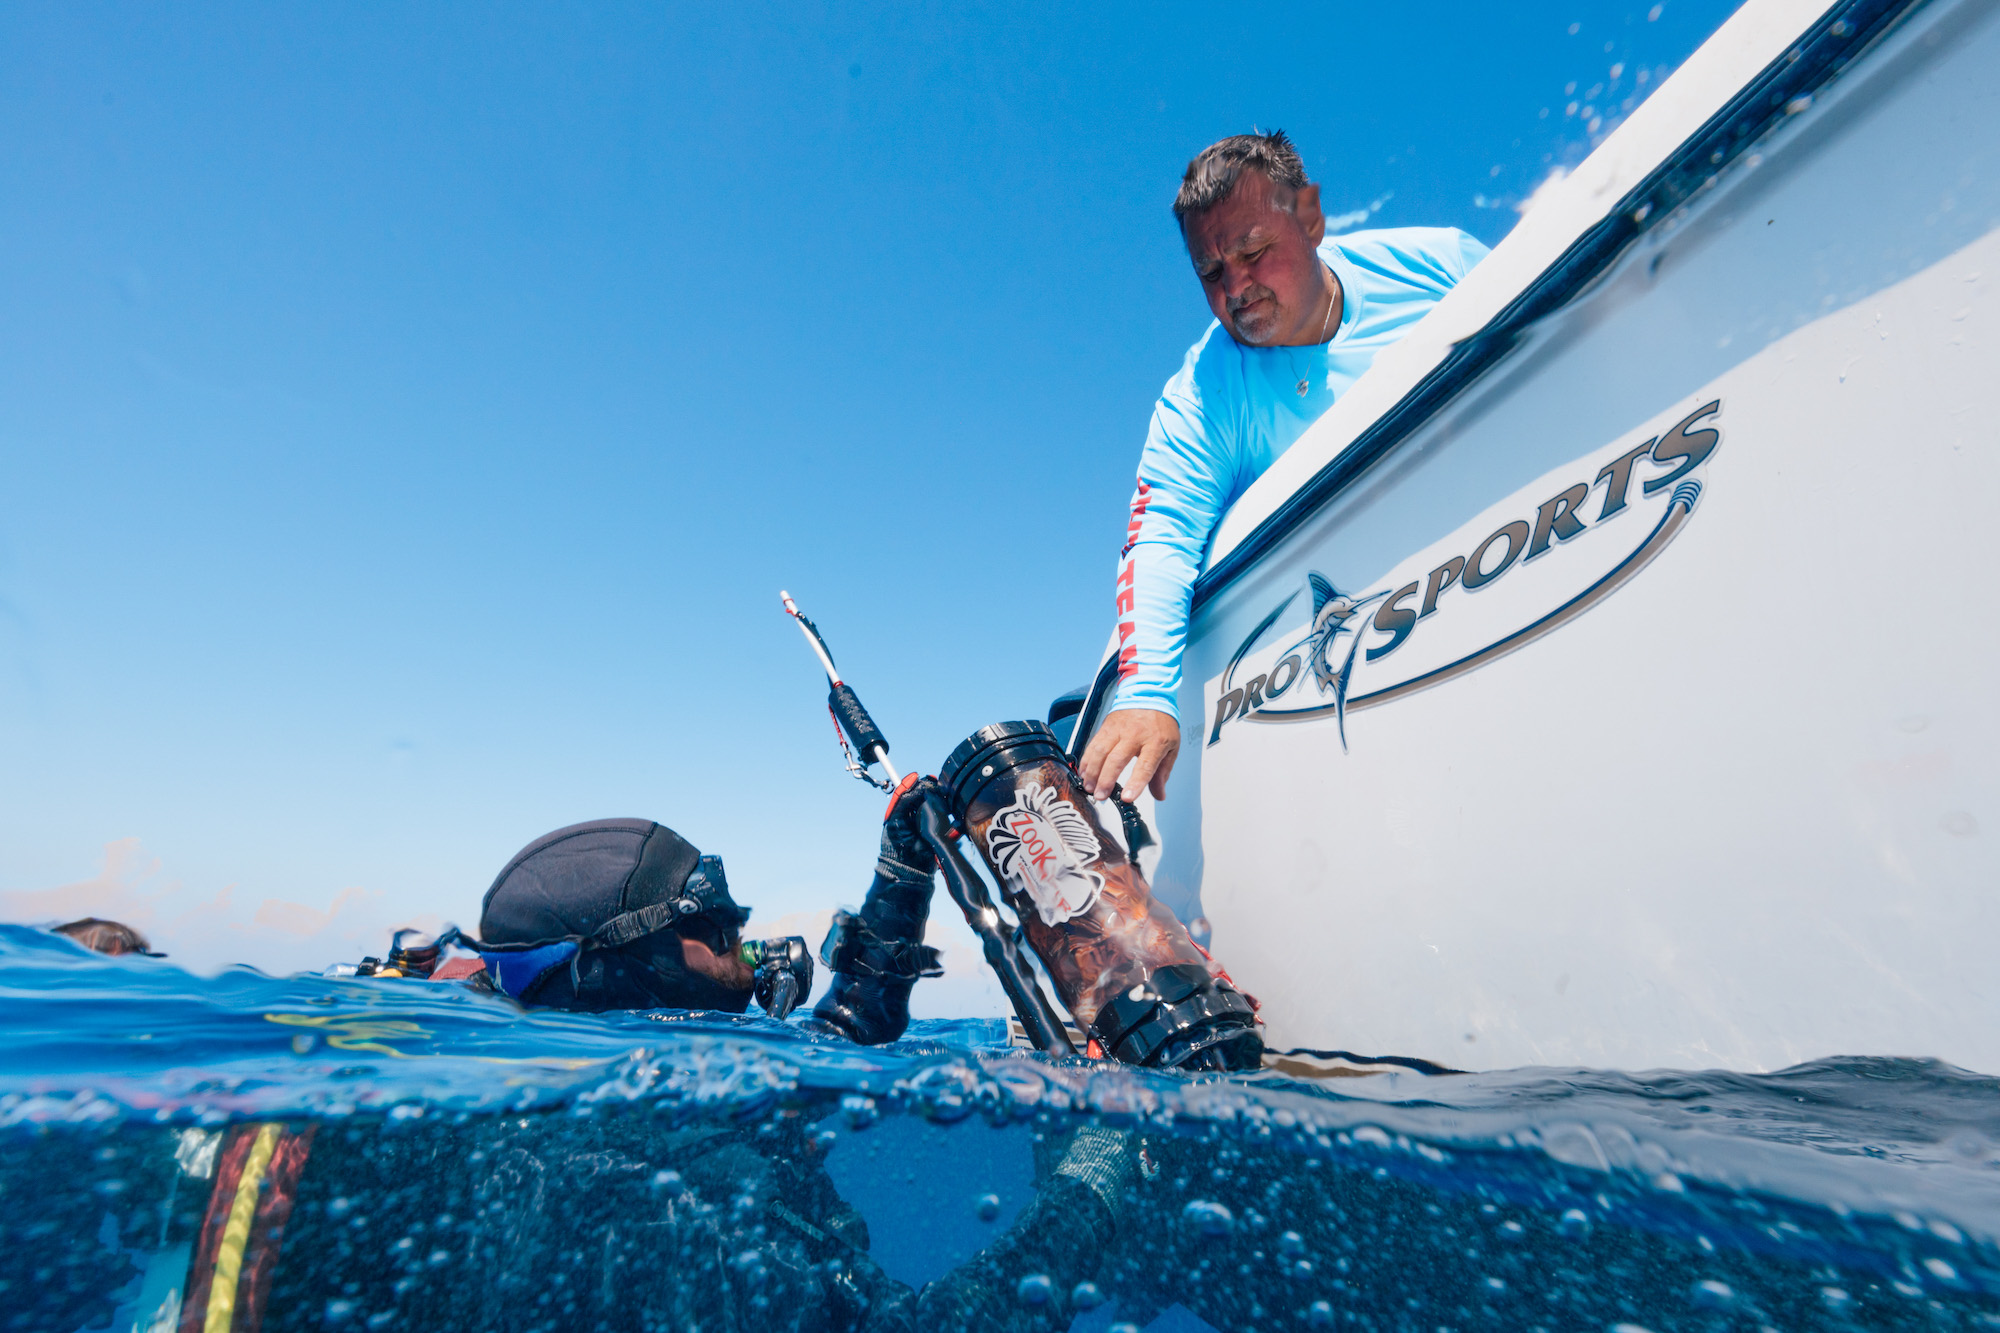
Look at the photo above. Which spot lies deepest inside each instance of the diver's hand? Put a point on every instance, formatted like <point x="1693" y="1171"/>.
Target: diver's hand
<point x="903" y="845"/>
<point x="1145" y="738"/>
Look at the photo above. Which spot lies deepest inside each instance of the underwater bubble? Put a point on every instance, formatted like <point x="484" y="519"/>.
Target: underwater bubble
<point x="987" y="1206"/>
<point x="1292" y="1244"/>
<point x="825" y="1139"/>
<point x="1319" y="1314"/>
<point x="1200" y="931"/>
<point x="1940" y="1269"/>
<point x="1214" y="1219"/>
<point x="1714" y="1295"/>
<point x="1970" y="1145"/>
<point x="1834" y="1297"/>
<point x="1512" y="1230"/>
<point x="1575" y="1222"/>
<point x="666" y="1180"/>
<point x="1123" y="1328"/>
<point x="1086" y="1296"/>
<point x="1035" y="1289"/>
<point x="860" y="1111"/>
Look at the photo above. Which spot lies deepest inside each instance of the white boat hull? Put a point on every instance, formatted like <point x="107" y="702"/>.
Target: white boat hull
<point x="1704" y="777"/>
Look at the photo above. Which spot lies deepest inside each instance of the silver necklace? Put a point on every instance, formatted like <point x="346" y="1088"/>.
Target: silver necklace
<point x="1305" y="384"/>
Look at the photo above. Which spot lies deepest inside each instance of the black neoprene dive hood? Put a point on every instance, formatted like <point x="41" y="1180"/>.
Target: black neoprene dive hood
<point x="591" y="917"/>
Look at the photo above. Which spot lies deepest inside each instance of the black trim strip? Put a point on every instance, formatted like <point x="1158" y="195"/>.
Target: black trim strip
<point x="1807" y="66"/>
<point x="1102" y="687"/>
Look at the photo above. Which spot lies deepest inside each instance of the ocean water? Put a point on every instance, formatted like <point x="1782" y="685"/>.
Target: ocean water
<point x="245" y="1152"/>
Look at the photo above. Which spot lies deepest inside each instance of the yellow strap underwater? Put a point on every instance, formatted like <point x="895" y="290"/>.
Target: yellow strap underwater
<point x="236" y="1232"/>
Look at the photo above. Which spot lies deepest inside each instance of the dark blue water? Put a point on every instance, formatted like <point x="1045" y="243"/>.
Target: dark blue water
<point x="456" y="1163"/>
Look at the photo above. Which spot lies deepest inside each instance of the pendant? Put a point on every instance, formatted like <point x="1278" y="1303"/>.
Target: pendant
<point x="1303" y="386"/>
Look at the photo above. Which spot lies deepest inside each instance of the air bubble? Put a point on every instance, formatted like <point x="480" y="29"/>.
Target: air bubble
<point x="1319" y="1314"/>
<point x="987" y="1207"/>
<point x="1035" y="1289"/>
<point x="1213" y="1219"/>
<point x="1714" y="1295"/>
<point x="1292" y="1244"/>
<point x="1086" y="1296"/>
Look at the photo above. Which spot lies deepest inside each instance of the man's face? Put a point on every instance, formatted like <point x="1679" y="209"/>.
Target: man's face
<point x="1257" y="262"/>
<point x="725" y="968"/>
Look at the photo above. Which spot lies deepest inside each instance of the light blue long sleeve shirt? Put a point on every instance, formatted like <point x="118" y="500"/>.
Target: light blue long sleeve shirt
<point x="1228" y="415"/>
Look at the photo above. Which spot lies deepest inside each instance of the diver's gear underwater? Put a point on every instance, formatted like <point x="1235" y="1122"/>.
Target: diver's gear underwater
<point x="877" y="954"/>
<point x="593" y="917"/>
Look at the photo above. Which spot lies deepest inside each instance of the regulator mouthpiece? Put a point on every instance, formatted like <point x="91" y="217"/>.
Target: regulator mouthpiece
<point x="783" y="971"/>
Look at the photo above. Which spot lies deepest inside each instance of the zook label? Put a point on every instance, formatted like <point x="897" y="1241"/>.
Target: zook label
<point x="1044" y="847"/>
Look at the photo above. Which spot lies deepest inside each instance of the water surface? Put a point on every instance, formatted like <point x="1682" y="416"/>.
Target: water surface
<point x="457" y="1163"/>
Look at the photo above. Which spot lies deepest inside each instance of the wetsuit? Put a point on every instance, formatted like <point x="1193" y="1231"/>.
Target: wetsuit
<point x="1228" y="415"/>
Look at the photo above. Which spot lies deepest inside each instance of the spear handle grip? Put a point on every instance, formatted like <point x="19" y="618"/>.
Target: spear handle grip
<point x="854" y="720"/>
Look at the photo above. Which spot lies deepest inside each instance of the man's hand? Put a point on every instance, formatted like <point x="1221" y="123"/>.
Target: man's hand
<point x="1143" y="737"/>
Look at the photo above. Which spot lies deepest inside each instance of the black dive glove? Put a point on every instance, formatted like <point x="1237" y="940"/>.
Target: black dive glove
<point x="877" y="954"/>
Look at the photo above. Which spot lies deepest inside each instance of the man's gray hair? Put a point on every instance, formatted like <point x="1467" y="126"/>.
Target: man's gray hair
<point x="1213" y="174"/>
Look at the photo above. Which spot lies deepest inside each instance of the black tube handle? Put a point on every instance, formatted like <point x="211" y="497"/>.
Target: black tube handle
<point x="969" y="892"/>
<point x="854" y="720"/>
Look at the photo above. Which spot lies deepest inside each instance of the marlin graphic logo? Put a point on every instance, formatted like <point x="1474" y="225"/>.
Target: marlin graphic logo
<point x="1334" y="614"/>
<point x="1332" y="610"/>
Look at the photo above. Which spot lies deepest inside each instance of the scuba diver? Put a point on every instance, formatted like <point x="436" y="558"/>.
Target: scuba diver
<point x="106" y="937"/>
<point x="631" y="1217"/>
<point x="626" y="914"/>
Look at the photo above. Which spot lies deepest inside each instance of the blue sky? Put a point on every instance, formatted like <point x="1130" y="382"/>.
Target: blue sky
<point x="408" y="414"/>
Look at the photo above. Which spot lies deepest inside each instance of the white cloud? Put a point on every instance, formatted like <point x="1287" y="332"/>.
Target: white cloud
<point x="1340" y="222"/>
<point x="204" y="931"/>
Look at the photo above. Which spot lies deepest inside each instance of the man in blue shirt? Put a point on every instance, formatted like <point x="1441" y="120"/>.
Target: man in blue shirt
<point x="1299" y="315"/>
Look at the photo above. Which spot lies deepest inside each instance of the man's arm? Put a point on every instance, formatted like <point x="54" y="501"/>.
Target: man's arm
<point x="1185" y="481"/>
